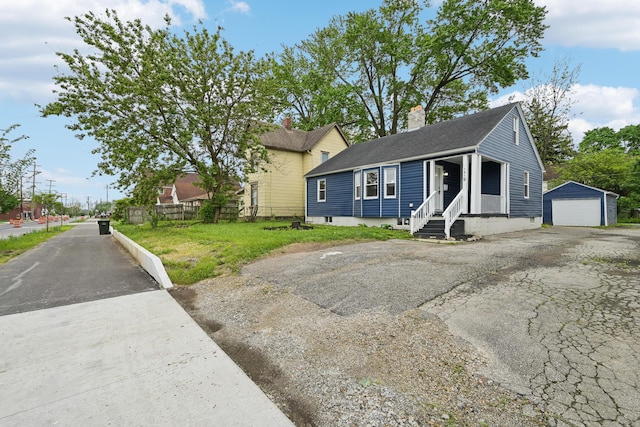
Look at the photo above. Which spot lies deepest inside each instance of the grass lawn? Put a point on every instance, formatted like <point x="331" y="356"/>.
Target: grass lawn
<point x="13" y="246"/>
<point x="193" y="251"/>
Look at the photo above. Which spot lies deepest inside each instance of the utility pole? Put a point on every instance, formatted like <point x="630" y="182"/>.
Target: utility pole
<point x="33" y="189"/>
<point x="50" y="182"/>
<point x="49" y="207"/>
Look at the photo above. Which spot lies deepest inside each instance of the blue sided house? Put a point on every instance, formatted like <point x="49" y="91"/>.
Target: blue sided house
<point x="474" y="175"/>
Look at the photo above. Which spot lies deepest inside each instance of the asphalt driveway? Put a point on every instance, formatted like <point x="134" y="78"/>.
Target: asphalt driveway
<point x="556" y="311"/>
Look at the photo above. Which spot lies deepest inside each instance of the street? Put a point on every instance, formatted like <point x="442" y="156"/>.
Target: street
<point x="7" y="229"/>
<point x="40" y="278"/>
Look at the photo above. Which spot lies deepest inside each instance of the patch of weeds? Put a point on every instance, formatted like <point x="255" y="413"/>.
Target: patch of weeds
<point x="622" y="263"/>
<point x="368" y="382"/>
<point x="459" y="369"/>
<point x="165" y="251"/>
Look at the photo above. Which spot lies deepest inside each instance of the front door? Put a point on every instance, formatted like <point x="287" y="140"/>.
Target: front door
<point x="439" y="188"/>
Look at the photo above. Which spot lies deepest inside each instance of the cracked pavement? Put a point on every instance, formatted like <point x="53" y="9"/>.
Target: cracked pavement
<point x="564" y="331"/>
<point x="555" y="311"/>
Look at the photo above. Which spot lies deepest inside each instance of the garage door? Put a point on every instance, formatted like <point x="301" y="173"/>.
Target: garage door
<point x="578" y="212"/>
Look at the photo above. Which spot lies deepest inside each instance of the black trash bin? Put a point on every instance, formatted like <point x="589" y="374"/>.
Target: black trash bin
<point x="103" y="225"/>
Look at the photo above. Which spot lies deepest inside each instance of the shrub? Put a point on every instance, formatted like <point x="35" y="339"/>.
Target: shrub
<point x="208" y="212"/>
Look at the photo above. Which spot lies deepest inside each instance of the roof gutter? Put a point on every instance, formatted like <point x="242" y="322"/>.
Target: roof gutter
<point x="448" y="153"/>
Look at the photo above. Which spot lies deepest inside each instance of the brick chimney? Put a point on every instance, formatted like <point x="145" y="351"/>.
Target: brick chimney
<point x="286" y="123"/>
<point x="416" y="118"/>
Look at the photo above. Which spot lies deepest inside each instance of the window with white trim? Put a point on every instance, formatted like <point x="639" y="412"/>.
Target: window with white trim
<point x="390" y="183"/>
<point x="516" y="130"/>
<point x="371" y="185"/>
<point x="357" y="185"/>
<point x="322" y="190"/>
<point x="526" y="184"/>
<point x="324" y="156"/>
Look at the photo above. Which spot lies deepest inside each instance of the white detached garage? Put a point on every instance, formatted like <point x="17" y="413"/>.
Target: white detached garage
<point x="577" y="204"/>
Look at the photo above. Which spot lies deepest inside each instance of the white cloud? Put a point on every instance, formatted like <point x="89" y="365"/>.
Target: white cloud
<point x="32" y="31"/>
<point x="604" y="104"/>
<point x="595" y="106"/>
<point x="593" y="23"/>
<point x="239" y="7"/>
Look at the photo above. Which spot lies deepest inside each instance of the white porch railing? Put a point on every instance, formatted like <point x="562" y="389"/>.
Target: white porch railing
<point x="491" y="204"/>
<point x="453" y="211"/>
<point x="421" y="216"/>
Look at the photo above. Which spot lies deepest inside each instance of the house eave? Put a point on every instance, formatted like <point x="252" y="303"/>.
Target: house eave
<point x="447" y="153"/>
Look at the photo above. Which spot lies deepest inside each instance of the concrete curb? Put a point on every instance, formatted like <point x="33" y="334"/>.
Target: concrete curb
<point x="148" y="261"/>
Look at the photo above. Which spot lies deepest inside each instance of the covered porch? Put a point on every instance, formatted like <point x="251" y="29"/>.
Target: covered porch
<point x="467" y="184"/>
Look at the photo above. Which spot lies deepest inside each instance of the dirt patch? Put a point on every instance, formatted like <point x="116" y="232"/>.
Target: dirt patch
<point x="185" y="296"/>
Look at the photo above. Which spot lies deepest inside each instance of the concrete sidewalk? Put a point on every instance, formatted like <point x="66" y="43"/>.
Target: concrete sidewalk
<point x="131" y="360"/>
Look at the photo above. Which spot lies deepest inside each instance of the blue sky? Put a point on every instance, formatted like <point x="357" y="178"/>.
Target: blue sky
<point x="601" y="36"/>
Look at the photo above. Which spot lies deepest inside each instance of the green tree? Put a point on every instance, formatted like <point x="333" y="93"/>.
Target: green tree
<point x="160" y="104"/>
<point x="49" y="203"/>
<point x="626" y="139"/>
<point x="609" y="169"/>
<point x="12" y="170"/>
<point x="384" y="61"/>
<point x="547" y="107"/>
<point x="104" y="207"/>
<point x="120" y="208"/>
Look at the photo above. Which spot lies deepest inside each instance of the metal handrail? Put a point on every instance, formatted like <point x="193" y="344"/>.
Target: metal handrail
<point x="425" y="211"/>
<point x="453" y="211"/>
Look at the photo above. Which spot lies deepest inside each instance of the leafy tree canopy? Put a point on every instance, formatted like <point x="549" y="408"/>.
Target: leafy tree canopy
<point x="159" y="104"/>
<point x="626" y="139"/>
<point x="609" y="169"/>
<point x="366" y="70"/>
<point x="12" y="170"/>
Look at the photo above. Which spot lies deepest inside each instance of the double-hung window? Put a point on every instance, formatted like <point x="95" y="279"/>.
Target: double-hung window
<point x="390" y="183"/>
<point x="322" y="190"/>
<point x="357" y="185"/>
<point x="371" y="185"/>
<point x="526" y="185"/>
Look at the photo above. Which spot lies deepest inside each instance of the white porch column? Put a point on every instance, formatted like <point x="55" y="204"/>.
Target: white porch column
<point x="504" y="188"/>
<point x="432" y="177"/>
<point x="465" y="183"/>
<point x="476" y="184"/>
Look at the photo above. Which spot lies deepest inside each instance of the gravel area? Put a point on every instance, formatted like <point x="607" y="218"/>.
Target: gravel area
<point x="369" y="369"/>
<point x="333" y="349"/>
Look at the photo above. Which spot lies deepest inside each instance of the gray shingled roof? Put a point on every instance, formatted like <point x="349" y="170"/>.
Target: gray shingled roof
<point x="453" y="135"/>
<point x="295" y="140"/>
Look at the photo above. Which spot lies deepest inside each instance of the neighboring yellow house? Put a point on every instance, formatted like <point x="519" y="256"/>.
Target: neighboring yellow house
<point x="280" y="190"/>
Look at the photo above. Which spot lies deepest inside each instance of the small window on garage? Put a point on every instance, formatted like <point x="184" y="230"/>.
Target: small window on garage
<point x="526" y="184"/>
<point x="357" y="185"/>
